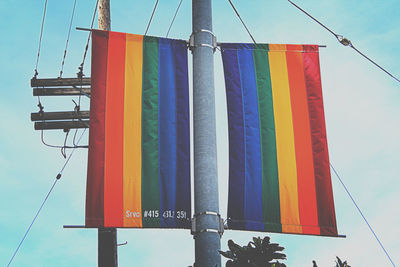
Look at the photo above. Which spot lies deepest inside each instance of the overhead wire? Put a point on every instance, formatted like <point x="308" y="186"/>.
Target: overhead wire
<point x="237" y="13"/>
<point x="59" y="174"/>
<point x="66" y="44"/>
<point x="151" y="18"/>
<point x="173" y="19"/>
<point x="80" y="73"/>
<point x="77" y="109"/>
<point x="74" y="138"/>
<point x="344" y="41"/>
<point x="309" y="15"/>
<point x="55" y="146"/>
<point x="362" y="215"/>
<point x="63" y="149"/>
<point x="40" y="39"/>
<point x="30" y="226"/>
<point x="373" y="62"/>
<point x="40" y="106"/>
<point x="65" y="146"/>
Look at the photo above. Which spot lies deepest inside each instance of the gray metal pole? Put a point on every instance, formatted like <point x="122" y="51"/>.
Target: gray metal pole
<point x="207" y="239"/>
<point x="107" y="237"/>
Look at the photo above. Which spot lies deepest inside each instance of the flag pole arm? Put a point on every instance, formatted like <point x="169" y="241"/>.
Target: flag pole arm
<point x="218" y="44"/>
<point x="84" y="29"/>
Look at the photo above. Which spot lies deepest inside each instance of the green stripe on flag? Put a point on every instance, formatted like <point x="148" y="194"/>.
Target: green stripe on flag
<point x="150" y="152"/>
<point x="270" y="179"/>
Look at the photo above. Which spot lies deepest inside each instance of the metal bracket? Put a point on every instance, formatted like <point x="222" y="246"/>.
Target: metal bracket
<point x="214" y="40"/>
<point x="122" y="244"/>
<point x="220" y="229"/>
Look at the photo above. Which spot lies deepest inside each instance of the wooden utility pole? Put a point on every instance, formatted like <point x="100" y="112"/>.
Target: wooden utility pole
<point x="107" y="247"/>
<point x="107" y="237"/>
<point x="104" y="15"/>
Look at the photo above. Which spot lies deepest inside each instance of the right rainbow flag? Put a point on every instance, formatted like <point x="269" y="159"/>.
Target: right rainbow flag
<point x="279" y="175"/>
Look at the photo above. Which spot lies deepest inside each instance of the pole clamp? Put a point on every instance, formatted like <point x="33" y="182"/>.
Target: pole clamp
<point x="220" y="229"/>
<point x="192" y="45"/>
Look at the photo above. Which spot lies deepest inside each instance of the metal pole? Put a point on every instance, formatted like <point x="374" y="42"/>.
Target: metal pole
<point x="107" y="237"/>
<point x="207" y="224"/>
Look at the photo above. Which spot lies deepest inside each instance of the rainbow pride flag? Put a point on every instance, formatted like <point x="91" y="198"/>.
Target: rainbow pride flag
<point x="139" y="152"/>
<point x="279" y="176"/>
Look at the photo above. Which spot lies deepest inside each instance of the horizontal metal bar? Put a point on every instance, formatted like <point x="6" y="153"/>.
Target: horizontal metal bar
<point x="207" y="213"/>
<point x="60" y="115"/>
<point x="322" y="46"/>
<point x="218" y="44"/>
<point x="74" y="226"/>
<point x="56" y="91"/>
<point x="122" y="228"/>
<point x="61" y="125"/>
<point x="302" y="234"/>
<point x="83" y="29"/>
<point x="60" y="82"/>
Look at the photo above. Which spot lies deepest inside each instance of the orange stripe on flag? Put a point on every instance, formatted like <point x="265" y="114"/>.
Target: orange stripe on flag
<point x="113" y="173"/>
<point x="302" y="139"/>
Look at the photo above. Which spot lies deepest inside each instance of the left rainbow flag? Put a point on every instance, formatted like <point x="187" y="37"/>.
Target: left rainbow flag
<point x="139" y="146"/>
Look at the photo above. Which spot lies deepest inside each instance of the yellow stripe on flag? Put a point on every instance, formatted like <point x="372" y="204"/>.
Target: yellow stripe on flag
<point x="132" y="131"/>
<point x="286" y="157"/>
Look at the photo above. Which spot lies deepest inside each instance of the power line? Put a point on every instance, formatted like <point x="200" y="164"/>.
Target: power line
<point x="151" y="17"/>
<point x="65" y="146"/>
<point x="80" y="73"/>
<point x="362" y="215"/>
<point x="373" y="62"/>
<point x="40" y="38"/>
<point x="305" y="12"/>
<point x="344" y="41"/>
<point x="173" y="19"/>
<point x="66" y="44"/>
<point x="237" y="13"/>
<point x="61" y="147"/>
<point x="38" y="53"/>
<point x="59" y="174"/>
<point x="34" y="219"/>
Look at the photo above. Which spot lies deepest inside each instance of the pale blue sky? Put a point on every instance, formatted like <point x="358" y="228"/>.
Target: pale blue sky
<point x="361" y="107"/>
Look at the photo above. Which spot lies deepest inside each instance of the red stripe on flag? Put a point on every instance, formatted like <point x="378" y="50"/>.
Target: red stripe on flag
<point x="113" y="172"/>
<point x="302" y="138"/>
<point x="95" y="178"/>
<point x="326" y="209"/>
